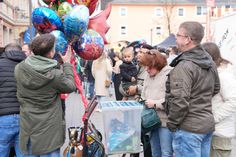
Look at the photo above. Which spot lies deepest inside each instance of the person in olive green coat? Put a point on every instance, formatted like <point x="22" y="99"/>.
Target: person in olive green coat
<point x="40" y="81"/>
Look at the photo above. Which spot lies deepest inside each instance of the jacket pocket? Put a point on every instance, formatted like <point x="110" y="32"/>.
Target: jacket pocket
<point x="176" y="87"/>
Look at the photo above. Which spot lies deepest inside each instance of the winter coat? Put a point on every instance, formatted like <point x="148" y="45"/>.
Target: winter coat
<point x="154" y="88"/>
<point x="189" y="91"/>
<point x="224" y="104"/>
<point x="101" y="70"/>
<point x="127" y="71"/>
<point x="40" y="81"/>
<point x="9" y="103"/>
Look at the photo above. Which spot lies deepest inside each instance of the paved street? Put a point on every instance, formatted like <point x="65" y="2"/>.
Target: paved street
<point x="75" y="110"/>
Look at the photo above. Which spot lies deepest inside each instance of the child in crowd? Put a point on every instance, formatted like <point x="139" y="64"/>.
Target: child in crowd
<point x="128" y="71"/>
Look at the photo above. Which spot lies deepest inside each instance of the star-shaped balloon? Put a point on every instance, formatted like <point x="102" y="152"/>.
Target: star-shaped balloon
<point x="99" y="24"/>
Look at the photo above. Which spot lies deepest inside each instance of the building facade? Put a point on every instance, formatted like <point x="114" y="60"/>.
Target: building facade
<point x="14" y="19"/>
<point x="154" y="20"/>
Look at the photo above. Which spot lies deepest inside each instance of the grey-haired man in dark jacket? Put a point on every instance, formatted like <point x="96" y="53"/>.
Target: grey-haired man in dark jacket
<point x="189" y="90"/>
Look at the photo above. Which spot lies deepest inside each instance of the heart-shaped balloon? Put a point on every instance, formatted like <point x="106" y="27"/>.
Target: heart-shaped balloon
<point x="61" y="42"/>
<point x="90" y="46"/>
<point x="76" y="22"/>
<point x="46" y="20"/>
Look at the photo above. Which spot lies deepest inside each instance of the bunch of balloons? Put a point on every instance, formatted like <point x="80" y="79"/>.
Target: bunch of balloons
<point x="70" y="22"/>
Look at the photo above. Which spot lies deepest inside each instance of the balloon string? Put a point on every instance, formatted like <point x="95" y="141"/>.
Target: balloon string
<point x="79" y="87"/>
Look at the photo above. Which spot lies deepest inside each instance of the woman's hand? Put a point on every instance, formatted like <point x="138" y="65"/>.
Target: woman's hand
<point x="150" y="103"/>
<point x="153" y="104"/>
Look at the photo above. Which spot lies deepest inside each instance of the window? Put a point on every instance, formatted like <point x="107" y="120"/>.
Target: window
<point x="123" y="30"/>
<point x="204" y="10"/>
<point x="123" y="11"/>
<point x="201" y="10"/>
<point x="227" y="6"/>
<point x="158" y="30"/>
<point x="158" y="11"/>
<point x="181" y="11"/>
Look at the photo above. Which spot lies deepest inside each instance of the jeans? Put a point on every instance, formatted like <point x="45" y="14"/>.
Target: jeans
<point x="186" y="144"/>
<point x="161" y="142"/>
<point x="9" y="130"/>
<point x="55" y="153"/>
<point x="90" y="89"/>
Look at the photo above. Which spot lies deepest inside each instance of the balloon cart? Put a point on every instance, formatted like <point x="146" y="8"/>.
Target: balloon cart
<point x="122" y="131"/>
<point x="85" y="141"/>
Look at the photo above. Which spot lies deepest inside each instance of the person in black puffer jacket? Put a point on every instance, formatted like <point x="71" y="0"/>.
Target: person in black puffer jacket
<point x="9" y="106"/>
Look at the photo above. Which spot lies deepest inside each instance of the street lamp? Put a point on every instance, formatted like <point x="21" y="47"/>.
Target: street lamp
<point x="30" y="12"/>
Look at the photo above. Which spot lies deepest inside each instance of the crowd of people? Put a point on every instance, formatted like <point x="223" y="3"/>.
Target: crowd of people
<point x="190" y="86"/>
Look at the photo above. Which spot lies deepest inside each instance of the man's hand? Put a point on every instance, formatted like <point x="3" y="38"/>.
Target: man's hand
<point x="132" y="90"/>
<point x="67" y="56"/>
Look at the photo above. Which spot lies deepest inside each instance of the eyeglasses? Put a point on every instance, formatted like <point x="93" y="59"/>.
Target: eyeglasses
<point x="179" y="35"/>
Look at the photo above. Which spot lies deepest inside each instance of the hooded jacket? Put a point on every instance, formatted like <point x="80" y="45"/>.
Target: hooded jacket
<point x="39" y="84"/>
<point x="189" y="90"/>
<point x="9" y="103"/>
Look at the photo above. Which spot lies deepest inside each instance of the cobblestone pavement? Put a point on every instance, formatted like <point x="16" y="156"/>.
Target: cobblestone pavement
<point x="75" y="110"/>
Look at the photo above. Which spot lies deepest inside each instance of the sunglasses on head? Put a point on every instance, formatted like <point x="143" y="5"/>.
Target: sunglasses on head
<point x="150" y="52"/>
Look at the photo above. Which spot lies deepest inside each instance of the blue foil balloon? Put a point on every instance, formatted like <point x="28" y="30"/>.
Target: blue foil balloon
<point x="46" y="20"/>
<point x="27" y="34"/>
<point x="76" y="22"/>
<point x="90" y="46"/>
<point x="61" y="42"/>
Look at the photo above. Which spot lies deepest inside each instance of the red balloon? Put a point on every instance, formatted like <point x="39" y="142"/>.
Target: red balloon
<point x="69" y="1"/>
<point x="98" y="23"/>
<point x="92" y="6"/>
